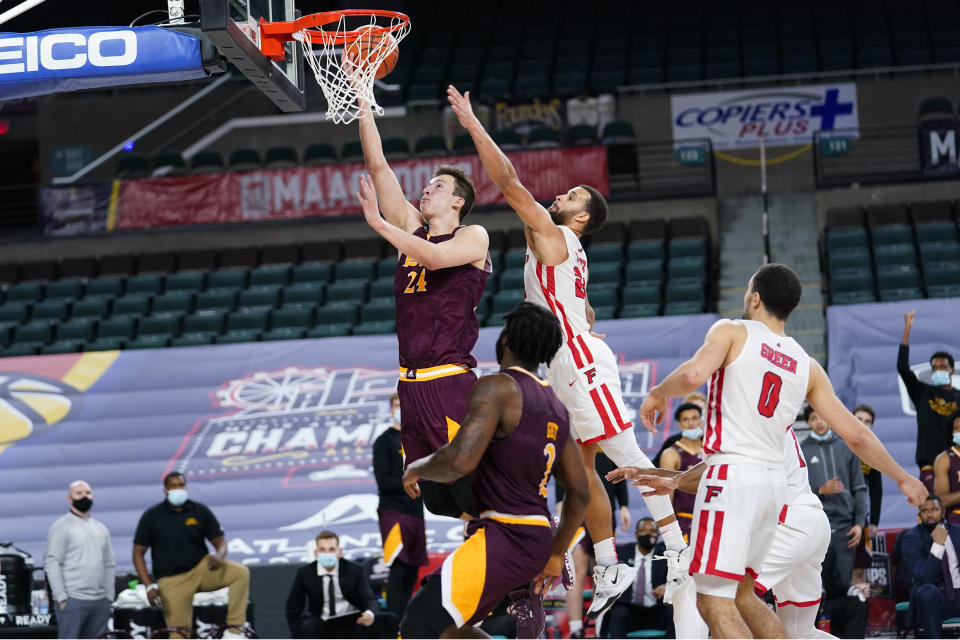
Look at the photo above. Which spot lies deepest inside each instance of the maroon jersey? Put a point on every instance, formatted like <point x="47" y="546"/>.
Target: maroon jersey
<point x="436" y="310"/>
<point x="513" y="473"/>
<point x="953" y="453"/>
<point x="682" y="501"/>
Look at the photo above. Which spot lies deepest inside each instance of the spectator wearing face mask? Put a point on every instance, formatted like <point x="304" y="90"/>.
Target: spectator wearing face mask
<point x="946" y="471"/>
<point x="80" y="568"/>
<point x="683" y="454"/>
<point x="696" y="398"/>
<point x="401" y="517"/>
<point x="176" y="531"/>
<point x="836" y="477"/>
<point x="641" y="605"/>
<point x="933" y="402"/>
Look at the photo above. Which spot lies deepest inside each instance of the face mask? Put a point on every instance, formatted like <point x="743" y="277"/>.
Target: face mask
<point x="956" y="439"/>
<point x="327" y="560"/>
<point x="820" y="438"/>
<point x="177" y="497"/>
<point x="83" y="504"/>
<point x="693" y="434"/>
<point x="646" y="542"/>
<point x="940" y="378"/>
<point x="396" y="415"/>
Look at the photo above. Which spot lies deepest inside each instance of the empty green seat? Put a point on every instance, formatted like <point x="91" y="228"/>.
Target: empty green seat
<point x="604" y="272"/>
<point x="894" y="295"/>
<point x="687" y="247"/>
<point x="105" y="344"/>
<point x="936" y="232"/>
<point x="683" y="308"/>
<point x="944" y="291"/>
<point x="116" y="327"/>
<point x="164" y="323"/>
<point x="105" y="286"/>
<point x="511" y="279"/>
<point x="644" y="294"/>
<point x="939" y="273"/>
<point x="90" y="307"/>
<point x="292" y="315"/>
<point x="313" y="272"/>
<point x="156" y="341"/>
<point x="15" y="311"/>
<point x="174" y="301"/>
<point x="354" y="270"/>
<point x="227" y="279"/>
<point x="897" y="277"/>
<point x="515" y="258"/>
<point x="219" y="299"/>
<point x="688" y="267"/>
<point x="347" y="290"/>
<point x="386" y="267"/>
<point x="892" y="234"/>
<point x="304" y="292"/>
<point x="270" y="275"/>
<point x="849" y="257"/>
<point x="852" y="297"/>
<point x="234" y="337"/>
<point x="943" y="250"/>
<point x="248" y="319"/>
<point x="193" y="339"/>
<point x="689" y="291"/>
<point x="603" y="298"/>
<point x="50" y="310"/>
<point x="72" y="288"/>
<point x="191" y="281"/>
<point x="75" y="329"/>
<point x="647" y="310"/>
<point x="495" y="319"/>
<point x="646" y="250"/>
<point x="840" y="238"/>
<point x="604" y="253"/>
<point x="851" y="280"/>
<point x="644" y="271"/>
<point x="21" y="349"/>
<point x="148" y="283"/>
<point x="337" y="314"/>
<point x="63" y="346"/>
<point x="885" y="254"/>
<point x="25" y="291"/>
<point x="265" y="296"/>
<point x="505" y="300"/>
<point x="204" y="322"/>
<point x="374" y="328"/>
<point x="37" y="331"/>
<point x="330" y="330"/>
<point x="131" y="305"/>
<point x="284" y="333"/>
<point x="382" y="288"/>
<point x="379" y="310"/>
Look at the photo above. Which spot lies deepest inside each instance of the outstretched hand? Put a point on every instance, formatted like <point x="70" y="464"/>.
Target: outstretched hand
<point x="367" y="196"/>
<point x="544" y="581"/>
<point x="460" y="103"/>
<point x="652" y="412"/>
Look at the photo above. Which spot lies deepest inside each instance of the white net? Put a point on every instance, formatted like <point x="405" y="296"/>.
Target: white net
<point x="346" y="72"/>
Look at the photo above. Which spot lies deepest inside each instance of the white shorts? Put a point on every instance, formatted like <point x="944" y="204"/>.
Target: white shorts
<point x="734" y="521"/>
<point x="585" y="377"/>
<point x="792" y="566"/>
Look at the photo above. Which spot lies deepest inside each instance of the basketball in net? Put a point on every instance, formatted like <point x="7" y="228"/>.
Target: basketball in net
<point x="368" y="48"/>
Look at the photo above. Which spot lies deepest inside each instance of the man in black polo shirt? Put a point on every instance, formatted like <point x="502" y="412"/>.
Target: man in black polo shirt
<point x="176" y="531"/>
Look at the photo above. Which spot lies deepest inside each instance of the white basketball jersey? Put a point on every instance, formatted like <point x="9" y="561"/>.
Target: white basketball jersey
<point x="561" y="288"/>
<point x="795" y="466"/>
<point x="756" y="398"/>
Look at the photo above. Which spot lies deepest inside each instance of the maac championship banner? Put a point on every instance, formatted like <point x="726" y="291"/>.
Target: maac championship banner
<point x="330" y="190"/>
<point x="864" y="339"/>
<point x="779" y="115"/>
<point x="275" y="437"/>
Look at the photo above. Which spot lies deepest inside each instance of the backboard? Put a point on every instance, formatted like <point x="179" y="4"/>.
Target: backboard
<point x="232" y="26"/>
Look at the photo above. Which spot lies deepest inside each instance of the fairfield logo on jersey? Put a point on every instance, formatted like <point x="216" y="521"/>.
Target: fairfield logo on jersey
<point x="779" y="115"/>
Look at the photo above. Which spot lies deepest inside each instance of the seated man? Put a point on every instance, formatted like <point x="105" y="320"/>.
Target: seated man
<point x="929" y="552"/>
<point x="176" y="531"/>
<point x="338" y="598"/>
<point x="845" y="604"/>
<point x="641" y="606"/>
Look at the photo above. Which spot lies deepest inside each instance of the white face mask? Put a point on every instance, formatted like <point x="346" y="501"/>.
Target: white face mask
<point x="396" y="415"/>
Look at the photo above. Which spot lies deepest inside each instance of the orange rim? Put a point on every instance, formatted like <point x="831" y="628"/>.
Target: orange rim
<point x="274" y="34"/>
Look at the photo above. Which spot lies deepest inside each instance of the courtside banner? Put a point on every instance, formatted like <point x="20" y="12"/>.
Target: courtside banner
<point x="864" y="339"/>
<point x="89" y="57"/>
<point x="779" y="115"/>
<point x="275" y="437"/>
<point x="331" y="190"/>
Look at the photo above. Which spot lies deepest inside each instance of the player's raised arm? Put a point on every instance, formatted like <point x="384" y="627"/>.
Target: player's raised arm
<point x="548" y="236"/>
<point x="396" y="209"/>
<point x="861" y="440"/>
<point x="490" y="395"/>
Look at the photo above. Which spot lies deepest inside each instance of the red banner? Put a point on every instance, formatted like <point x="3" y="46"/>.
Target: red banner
<point x="329" y="191"/>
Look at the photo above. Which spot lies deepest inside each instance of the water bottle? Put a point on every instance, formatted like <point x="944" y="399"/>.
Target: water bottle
<point x="43" y="605"/>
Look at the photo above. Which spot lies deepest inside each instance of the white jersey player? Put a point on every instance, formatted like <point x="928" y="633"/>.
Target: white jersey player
<point x="758" y="378"/>
<point x="584" y="372"/>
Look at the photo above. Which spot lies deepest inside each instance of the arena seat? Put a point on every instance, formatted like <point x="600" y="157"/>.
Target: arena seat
<point x="120" y="327"/>
<point x="318" y="272"/>
<point x="644" y="271"/>
<point x="207" y="161"/>
<point x="244" y="159"/>
<point x="50" y="310"/>
<point x="339" y="313"/>
<point x="62" y="346"/>
<point x="204" y="322"/>
<point x="304" y="292"/>
<point x="173" y="302"/>
<point x="395" y="148"/>
<point x="320" y="154"/>
<point x="133" y="304"/>
<point x="155" y="341"/>
<point x="227" y="279"/>
<point x="166" y="324"/>
<point x="270" y="275"/>
<point x="430" y="146"/>
<point x="90" y="307"/>
<point x="132" y="165"/>
<point x="248" y="319"/>
<point x="372" y="328"/>
<point x="195" y="339"/>
<point x="69" y="289"/>
<point x="330" y="330"/>
<point x="191" y="281"/>
<point x="280" y="157"/>
<point x="261" y="296"/>
<point x="76" y="329"/>
<point x="105" y="343"/>
<point x="222" y="299"/>
<point x="168" y="163"/>
<point x="298" y="316"/>
<point x="282" y="333"/>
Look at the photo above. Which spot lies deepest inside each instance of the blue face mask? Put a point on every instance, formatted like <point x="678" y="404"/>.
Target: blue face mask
<point x="940" y="378"/>
<point x="956" y="439"/>
<point x="821" y="438"/>
<point x="177" y="497"/>
<point x="396" y="415"/>
<point x="327" y="560"/>
<point x="693" y="434"/>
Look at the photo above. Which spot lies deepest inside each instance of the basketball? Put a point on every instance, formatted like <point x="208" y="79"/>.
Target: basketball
<point x="371" y="46"/>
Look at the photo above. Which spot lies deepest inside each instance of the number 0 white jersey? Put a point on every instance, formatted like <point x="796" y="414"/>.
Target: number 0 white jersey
<point x="756" y="398"/>
<point x="561" y="288"/>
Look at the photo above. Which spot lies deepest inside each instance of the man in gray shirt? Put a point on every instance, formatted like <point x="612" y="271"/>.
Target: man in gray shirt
<point x="80" y="568"/>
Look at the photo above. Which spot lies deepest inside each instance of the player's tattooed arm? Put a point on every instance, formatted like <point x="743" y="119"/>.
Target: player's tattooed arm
<point x="460" y="456"/>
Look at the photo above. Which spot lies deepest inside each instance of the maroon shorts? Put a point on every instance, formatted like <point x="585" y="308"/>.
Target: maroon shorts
<point x="404" y="538"/>
<point x="431" y="412"/>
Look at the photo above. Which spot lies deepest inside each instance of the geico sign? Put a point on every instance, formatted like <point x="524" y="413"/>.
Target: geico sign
<point x="66" y="51"/>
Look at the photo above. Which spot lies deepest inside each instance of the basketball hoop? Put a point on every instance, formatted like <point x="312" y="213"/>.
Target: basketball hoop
<point x="353" y="44"/>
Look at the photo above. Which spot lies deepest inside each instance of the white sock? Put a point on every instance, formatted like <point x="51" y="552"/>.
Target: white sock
<point x="576" y="625"/>
<point x="673" y="536"/>
<point x="605" y="552"/>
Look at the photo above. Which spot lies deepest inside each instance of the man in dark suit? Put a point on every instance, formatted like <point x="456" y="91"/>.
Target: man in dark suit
<point x="929" y="551"/>
<point x="338" y="599"/>
<point x="641" y="606"/>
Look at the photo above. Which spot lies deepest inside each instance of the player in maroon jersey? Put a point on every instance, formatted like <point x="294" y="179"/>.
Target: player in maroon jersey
<point x="441" y="274"/>
<point x="946" y="471"/>
<point x="516" y="434"/>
